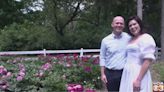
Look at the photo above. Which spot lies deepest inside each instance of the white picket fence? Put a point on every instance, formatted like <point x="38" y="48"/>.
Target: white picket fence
<point x="158" y="53"/>
<point x="81" y="52"/>
<point x="45" y="52"/>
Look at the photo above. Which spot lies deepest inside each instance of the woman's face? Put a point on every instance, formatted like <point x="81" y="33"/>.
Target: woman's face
<point x="134" y="27"/>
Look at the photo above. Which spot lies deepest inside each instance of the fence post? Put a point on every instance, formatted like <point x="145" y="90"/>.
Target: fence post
<point x="157" y="53"/>
<point x="81" y="52"/>
<point x="44" y="52"/>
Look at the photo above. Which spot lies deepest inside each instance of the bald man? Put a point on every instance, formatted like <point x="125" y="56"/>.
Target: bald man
<point x="113" y="54"/>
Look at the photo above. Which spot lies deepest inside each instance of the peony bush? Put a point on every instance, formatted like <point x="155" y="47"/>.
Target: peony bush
<point x="63" y="72"/>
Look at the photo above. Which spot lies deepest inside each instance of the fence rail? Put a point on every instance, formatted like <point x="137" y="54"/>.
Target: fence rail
<point x="45" y="52"/>
<point x="79" y="51"/>
<point x="158" y="53"/>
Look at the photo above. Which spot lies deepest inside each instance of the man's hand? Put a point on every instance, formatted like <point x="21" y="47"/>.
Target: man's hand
<point x="103" y="78"/>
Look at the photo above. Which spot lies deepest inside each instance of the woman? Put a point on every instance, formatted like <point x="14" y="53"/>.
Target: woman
<point x="140" y="53"/>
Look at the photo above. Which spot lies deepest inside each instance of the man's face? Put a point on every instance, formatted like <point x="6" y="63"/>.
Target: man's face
<point x="118" y="24"/>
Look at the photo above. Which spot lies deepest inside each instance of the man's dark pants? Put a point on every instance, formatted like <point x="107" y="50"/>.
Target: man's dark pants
<point x="113" y="78"/>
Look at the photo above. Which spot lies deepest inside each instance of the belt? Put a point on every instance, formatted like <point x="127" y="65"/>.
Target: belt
<point x="114" y="69"/>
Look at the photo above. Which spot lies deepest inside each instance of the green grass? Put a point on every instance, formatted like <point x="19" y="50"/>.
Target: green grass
<point x="158" y="71"/>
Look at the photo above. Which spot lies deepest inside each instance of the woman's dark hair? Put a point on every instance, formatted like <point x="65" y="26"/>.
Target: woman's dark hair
<point x="139" y="21"/>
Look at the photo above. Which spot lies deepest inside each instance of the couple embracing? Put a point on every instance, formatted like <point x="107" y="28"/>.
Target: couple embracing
<point x="125" y="57"/>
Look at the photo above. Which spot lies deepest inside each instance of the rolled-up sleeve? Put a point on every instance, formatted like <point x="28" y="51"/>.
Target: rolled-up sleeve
<point x="102" y="53"/>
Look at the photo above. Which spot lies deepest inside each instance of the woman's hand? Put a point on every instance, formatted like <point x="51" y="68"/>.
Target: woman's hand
<point x="136" y="86"/>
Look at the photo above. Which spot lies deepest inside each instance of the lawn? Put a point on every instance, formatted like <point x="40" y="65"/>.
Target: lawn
<point x="157" y="70"/>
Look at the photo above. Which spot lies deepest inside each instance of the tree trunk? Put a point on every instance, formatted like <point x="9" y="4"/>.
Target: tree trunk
<point x="162" y="30"/>
<point x="139" y="8"/>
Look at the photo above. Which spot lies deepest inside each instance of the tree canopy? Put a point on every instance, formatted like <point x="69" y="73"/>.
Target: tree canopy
<point x="67" y="24"/>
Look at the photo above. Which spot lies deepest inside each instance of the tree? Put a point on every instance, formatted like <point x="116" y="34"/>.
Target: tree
<point x="72" y="23"/>
<point x="58" y="14"/>
<point x="139" y="8"/>
<point x="12" y="11"/>
<point x="162" y="31"/>
<point x="152" y="18"/>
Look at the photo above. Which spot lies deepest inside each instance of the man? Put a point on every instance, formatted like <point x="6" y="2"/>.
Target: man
<point x="113" y="54"/>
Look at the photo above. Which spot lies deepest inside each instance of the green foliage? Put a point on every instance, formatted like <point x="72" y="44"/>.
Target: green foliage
<point x="30" y="36"/>
<point x="12" y="11"/>
<point x="9" y="12"/>
<point x="57" y="71"/>
<point x="89" y="38"/>
<point x="50" y="82"/>
<point x="68" y="24"/>
<point x="27" y="36"/>
<point x="152" y="18"/>
<point x="159" y="69"/>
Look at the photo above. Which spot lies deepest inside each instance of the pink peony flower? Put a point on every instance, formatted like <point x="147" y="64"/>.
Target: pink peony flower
<point x="39" y="74"/>
<point x="87" y="69"/>
<point x="9" y="74"/>
<point x="21" y="73"/>
<point x="74" y="88"/>
<point x="21" y="66"/>
<point x="46" y="66"/>
<point x="14" y="61"/>
<point x="69" y="88"/>
<point x="96" y="61"/>
<point x="22" y="70"/>
<point x="4" y="87"/>
<point x="1" y="69"/>
<point x="19" y="78"/>
<point x="85" y="59"/>
<point x="68" y="65"/>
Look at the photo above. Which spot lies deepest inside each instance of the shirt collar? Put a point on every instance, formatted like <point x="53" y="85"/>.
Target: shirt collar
<point x="117" y="36"/>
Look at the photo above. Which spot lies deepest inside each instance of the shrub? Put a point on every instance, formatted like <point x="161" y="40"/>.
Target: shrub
<point x="51" y="73"/>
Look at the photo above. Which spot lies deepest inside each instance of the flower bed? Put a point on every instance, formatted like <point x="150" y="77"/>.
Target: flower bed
<point x="51" y="73"/>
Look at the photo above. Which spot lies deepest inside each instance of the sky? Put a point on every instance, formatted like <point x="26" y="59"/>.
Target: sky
<point x="36" y="6"/>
